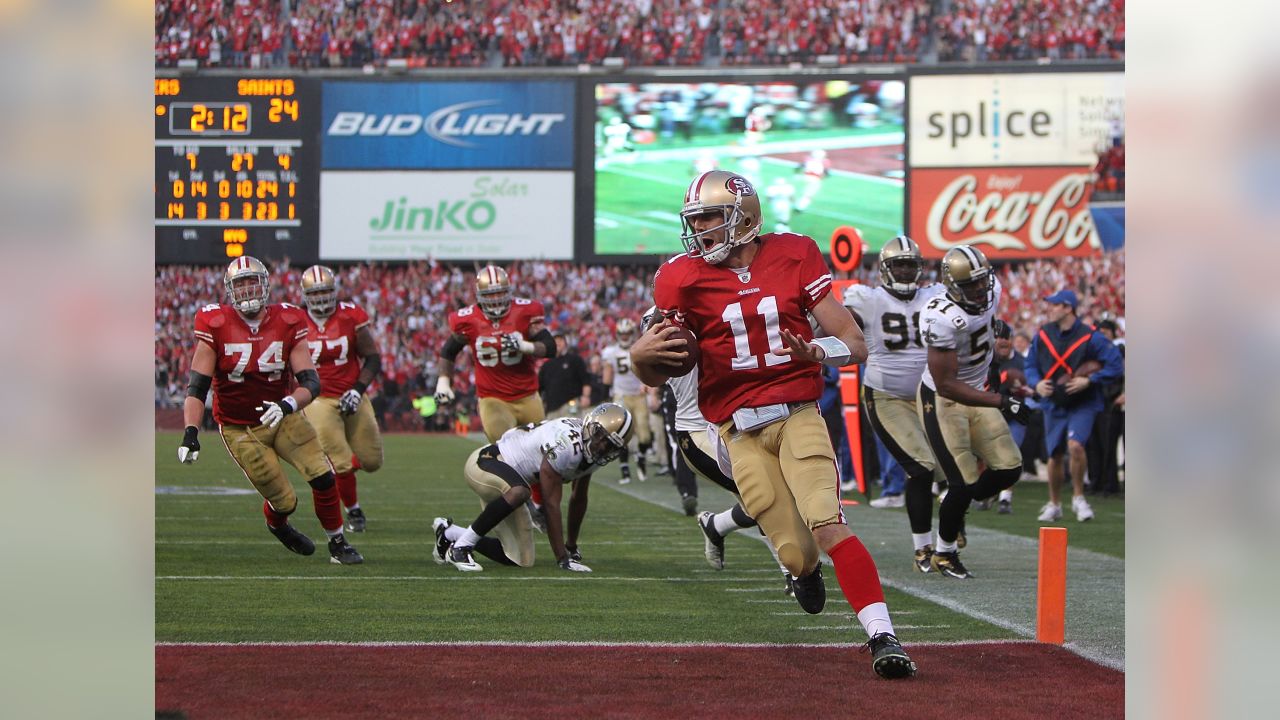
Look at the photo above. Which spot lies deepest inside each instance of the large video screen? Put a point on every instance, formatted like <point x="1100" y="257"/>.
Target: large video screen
<point x="821" y="154"/>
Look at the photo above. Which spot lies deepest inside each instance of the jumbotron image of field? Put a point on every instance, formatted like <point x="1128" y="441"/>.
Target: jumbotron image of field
<point x="246" y="629"/>
<point x="651" y="140"/>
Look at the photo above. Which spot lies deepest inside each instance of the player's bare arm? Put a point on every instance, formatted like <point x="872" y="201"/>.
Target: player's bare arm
<point x="836" y="320"/>
<point x="943" y="365"/>
<point x="203" y="364"/>
<point x="552" y="491"/>
<point x="654" y="348"/>
<point x="305" y="372"/>
<point x="371" y="357"/>
<point x="448" y="354"/>
<point x="577" y="511"/>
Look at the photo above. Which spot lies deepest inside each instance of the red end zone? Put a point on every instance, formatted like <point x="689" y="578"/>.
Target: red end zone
<point x="1006" y="680"/>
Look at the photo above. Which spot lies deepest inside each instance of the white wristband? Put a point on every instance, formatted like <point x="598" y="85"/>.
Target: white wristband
<point x="527" y="347"/>
<point x="288" y="400"/>
<point x="835" y="352"/>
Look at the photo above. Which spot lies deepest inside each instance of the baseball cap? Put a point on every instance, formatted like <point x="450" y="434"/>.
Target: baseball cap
<point x="1064" y="297"/>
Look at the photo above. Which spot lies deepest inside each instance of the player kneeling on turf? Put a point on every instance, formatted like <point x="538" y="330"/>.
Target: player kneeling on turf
<point x="550" y="453"/>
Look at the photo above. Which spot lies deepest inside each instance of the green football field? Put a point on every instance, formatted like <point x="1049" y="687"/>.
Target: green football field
<point x="220" y="576"/>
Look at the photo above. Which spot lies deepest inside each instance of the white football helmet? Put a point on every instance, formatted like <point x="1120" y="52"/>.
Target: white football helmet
<point x="606" y="430"/>
<point x="901" y="265"/>
<point x="735" y="199"/>
<point x="626" y="332"/>
<point x="969" y="278"/>
<point x="493" y="292"/>
<point x="248" y="285"/>
<point x="320" y="291"/>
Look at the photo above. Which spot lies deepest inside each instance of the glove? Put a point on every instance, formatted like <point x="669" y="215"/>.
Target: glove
<point x="574" y="555"/>
<point x="1000" y="329"/>
<point x="189" y="450"/>
<point x="568" y="563"/>
<point x="273" y="412"/>
<point x="1013" y="408"/>
<point x="444" y="391"/>
<point x="349" y="403"/>
<point x="515" y="342"/>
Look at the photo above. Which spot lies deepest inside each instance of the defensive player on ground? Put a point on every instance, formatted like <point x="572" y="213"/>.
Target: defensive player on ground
<point x="630" y="393"/>
<point x="550" y="454"/>
<point x="889" y="315"/>
<point x="962" y="420"/>
<point x="505" y="334"/>
<point x="745" y="297"/>
<point x="243" y="350"/>
<point x="346" y="354"/>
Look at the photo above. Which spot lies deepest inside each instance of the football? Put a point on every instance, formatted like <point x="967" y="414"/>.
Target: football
<point x="691" y="361"/>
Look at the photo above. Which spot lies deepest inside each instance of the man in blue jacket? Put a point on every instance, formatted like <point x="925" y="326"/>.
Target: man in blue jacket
<point x="1070" y="400"/>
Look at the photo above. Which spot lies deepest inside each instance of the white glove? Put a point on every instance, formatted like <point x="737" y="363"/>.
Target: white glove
<point x="444" y="391"/>
<point x="515" y="342"/>
<point x="573" y="565"/>
<point x="273" y="412"/>
<point x="349" y="403"/>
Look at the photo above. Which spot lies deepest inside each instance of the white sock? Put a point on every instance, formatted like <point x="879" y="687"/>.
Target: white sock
<point x="875" y="619"/>
<point x="453" y="532"/>
<point x="333" y="533"/>
<point x="469" y="538"/>
<point x="354" y="507"/>
<point x="922" y="539"/>
<point x="1006" y="495"/>
<point x="724" y="524"/>
<point x="945" y="547"/>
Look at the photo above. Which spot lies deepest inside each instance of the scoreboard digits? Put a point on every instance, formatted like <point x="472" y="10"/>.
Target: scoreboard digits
<point x="237" y="168"/>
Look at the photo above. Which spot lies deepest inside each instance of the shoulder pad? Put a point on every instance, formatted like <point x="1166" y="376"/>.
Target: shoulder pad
<point x="291" y="314"/>
<point x="212" y="316"/>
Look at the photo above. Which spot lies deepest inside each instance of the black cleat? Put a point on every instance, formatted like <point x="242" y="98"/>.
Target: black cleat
<point x="690" y="505"/>
<point x="440" y="553"/>
<point x="948" y="564"/>
<point x="341" y="553"/>
<point x="923" y="559"/>
<point x="355" y="520"/>
<point x="294" y="540"/>
<point x="888" y="658"/>
<point x="810" y="591"/>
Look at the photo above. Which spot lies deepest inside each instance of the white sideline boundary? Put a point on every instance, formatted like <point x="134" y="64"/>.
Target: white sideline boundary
<point x="561" y="643"/>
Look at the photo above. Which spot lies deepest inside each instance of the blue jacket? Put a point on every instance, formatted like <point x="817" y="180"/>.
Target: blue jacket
<point x="1098" y="347"/>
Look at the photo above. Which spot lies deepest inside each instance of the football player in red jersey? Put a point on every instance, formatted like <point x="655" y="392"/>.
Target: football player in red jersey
<point x="505" y="334"/>
<point x="243" y="349"/>
<point x="747" y="298"/>
<point x="342" y="415"/>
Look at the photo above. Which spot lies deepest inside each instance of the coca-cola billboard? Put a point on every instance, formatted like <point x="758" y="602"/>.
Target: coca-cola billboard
<point x="1008" y="212"/>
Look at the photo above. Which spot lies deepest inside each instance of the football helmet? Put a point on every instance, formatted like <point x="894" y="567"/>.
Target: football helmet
<point x="320" y="290"/>
<point x="607" y="429"/>
<point x="969" y="278"/>
<point x="493" y="292"/>
<point x="735" y="199"/>
<point x="248" y="284"/>
<point x="901" y="265"/>
<point x="626" y="332"/>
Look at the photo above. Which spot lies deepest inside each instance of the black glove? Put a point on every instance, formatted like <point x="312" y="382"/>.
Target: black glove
<point x="1013" y="408"/>
<point x="189" y="450"/>
<point x="1000" y="329"/>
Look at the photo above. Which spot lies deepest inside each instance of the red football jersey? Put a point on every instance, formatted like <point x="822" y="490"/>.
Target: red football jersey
<point x="737" y="316"/>
<point x="501" y="375"/>
<point x="333" y="348"/>
<point x="252" y="360"/>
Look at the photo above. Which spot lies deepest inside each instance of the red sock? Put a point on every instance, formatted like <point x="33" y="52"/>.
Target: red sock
<point x="355" y="463"/>
<point x="347" y="487"/>
<point x="328" y="507"/>
<point x="535" y="493"/>
<point x="856" y="572"/>
<point x="274" y="519"/>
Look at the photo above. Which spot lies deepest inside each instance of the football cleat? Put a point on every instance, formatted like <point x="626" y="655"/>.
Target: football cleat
<point x="1051" y="512"/>
<point x="626" y="475"/>
<point x="690" y="505"/>
<point x="888" y="658"/>
<point x="948" y="564"/>
<point x="889" y="501"/>
<point x="924" y="558"/>
<point x="460" y="557"/>
<point x="355" y="520"/>
<point x="1084" y="512"/>
<point x="341" y="552"/>
<point x="294" y="540"/>
<point x="640" y="469"/>
<point x="1005" y="507"/>
<point x="810" y="591"/>
<point x="790" y="590"/>
<point x="713" y="542"/>
<point x="440" y="551"/>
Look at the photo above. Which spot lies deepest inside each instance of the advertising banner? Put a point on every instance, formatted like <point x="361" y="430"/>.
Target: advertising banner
<point x="447" y="215"/>
<point x="1018" y="119"/>
<point x="1010" y="212"/>
<point x="392" y="125"/>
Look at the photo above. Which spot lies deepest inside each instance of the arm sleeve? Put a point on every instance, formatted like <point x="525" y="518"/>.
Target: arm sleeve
<point x="938" y="332"/>
<point x="815" y="276"/>
<point x="359" y="318"/>
<point x="204" y="330"/>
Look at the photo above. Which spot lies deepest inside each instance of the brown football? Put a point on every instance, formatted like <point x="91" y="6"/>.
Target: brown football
<point x="691" y="360"/>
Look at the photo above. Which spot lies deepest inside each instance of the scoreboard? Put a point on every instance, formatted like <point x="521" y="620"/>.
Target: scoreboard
<point x="237" y="168"/>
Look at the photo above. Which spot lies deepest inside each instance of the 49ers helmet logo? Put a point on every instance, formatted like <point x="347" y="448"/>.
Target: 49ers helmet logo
<point x="738" y="185"/>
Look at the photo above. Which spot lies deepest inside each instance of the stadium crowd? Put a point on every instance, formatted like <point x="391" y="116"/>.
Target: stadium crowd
<point x="355" y="33"/>
<point x="408" y="303"/>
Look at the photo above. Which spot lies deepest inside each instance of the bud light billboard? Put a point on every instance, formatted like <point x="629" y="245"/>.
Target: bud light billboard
<point x="388" y="125"/>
